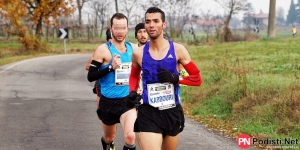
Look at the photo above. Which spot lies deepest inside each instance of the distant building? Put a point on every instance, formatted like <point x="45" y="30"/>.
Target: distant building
<point x="256" y="19"/>
<point x="204" y="24"/>
<point x="212" y="22"/>
<point x="199" y="24"/>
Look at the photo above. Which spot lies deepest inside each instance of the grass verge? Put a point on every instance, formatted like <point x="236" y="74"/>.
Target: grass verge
<point x="248" y="87"/>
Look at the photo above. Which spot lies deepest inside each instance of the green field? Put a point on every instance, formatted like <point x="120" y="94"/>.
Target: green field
<point x="248" y="87"/>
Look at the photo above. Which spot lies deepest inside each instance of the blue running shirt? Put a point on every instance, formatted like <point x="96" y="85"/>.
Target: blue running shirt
<point x="108" y="87"/>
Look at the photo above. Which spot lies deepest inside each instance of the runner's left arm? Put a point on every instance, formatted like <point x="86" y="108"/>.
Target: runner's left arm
<point x="132" y="100"/>
<point x="134" y="77"/>
<point x="193" y="79"/>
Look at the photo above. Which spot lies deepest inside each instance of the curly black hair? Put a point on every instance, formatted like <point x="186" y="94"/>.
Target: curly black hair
<point x="138" y="27"/>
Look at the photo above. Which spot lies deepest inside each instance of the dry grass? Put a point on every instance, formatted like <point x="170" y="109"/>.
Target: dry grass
<point x="251" y="86"/>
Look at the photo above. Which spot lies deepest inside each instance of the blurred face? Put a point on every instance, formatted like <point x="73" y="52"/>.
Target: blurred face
<point x="119" y="29"/>
<point x="154" y="25"/>
<point x="142" y="36"/>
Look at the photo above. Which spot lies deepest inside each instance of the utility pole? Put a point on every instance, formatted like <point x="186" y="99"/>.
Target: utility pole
<point x="271" y="24"/>
<point x="116" y="4"/>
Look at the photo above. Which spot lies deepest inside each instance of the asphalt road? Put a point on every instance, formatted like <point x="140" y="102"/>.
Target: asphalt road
<point x="46" y="103"/>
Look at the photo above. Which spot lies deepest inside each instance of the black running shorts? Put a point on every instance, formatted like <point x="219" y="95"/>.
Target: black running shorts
<point x="168" y="121"/>
<point x="111" y="109"/>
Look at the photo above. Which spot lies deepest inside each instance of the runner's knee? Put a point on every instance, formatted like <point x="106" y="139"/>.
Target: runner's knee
<point x="108" y="139"/>
<point x="129" y="137"/>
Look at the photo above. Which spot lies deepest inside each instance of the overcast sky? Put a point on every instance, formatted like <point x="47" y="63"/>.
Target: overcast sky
<point x="264" y="5"/>
<point x="257" y="4"/>
<point x="216" y="9"/>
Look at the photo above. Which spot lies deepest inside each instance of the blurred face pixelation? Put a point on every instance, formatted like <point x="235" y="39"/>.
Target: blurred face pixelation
<point x="142" y="36"/>
<point x="154" y="25"/>
<point x="119" y="29"/>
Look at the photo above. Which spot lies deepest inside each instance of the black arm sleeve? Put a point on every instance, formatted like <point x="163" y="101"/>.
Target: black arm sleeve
<point x="94" y="72"/>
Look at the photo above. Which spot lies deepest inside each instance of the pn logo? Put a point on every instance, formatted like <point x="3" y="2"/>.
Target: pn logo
<point x="244" y="141"/>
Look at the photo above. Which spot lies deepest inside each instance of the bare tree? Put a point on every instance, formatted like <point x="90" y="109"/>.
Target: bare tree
<point x="80" y="4"/>
<point x="231" y="7"/>
<point x="178" y="13"/>
<point x="208" y="22"/>
<point x="6" y="27"/>
<point x="129" y="6"/>
<point x="145" y="4"/>
<point x="100" y="9"/>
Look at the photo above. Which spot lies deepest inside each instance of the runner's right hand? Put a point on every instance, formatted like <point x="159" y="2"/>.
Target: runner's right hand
<point x="116" y="61"/>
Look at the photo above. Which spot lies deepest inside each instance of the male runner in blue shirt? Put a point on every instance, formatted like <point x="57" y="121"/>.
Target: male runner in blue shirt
<point x="111" y="64"/>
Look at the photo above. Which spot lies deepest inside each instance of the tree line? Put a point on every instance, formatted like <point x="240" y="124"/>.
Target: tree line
<point x="293" y="16"/>
<point x="30" y="20"/>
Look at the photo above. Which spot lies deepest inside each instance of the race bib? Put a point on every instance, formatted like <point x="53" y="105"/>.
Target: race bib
<point x="161" y="95"/>
<point x="122" y="74"/>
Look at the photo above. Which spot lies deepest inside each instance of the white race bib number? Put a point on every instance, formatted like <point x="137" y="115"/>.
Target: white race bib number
<point x="161" y="95"/>
<point x="122" y="74"/>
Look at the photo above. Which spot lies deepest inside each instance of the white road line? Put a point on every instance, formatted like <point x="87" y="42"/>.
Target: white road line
<point x="24" y="61"/>
<point x="15" y="65"/>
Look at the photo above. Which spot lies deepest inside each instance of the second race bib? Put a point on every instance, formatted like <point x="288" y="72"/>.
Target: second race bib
<point x="161" y="95"/>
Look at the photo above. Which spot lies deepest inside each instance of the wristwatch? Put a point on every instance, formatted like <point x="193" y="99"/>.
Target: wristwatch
<point x="110" y="68"/>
